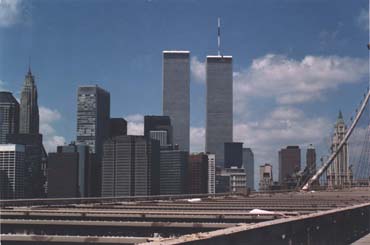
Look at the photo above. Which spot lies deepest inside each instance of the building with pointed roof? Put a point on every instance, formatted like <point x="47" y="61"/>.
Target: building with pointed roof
<point x="339" y="173"/>
<point x="29" y="109"/>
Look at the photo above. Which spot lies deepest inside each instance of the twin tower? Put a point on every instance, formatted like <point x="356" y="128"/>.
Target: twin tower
<point x="219" y="100"/>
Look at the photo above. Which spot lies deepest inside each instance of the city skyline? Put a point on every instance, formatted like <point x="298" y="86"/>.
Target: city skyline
<point x="257" y="124"/>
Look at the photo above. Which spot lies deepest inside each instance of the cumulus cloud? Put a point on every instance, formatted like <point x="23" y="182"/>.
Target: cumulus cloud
<point x="47" y="119"/>
<point x="135" y="124"/>
<point x="198" y="70"/>
<point x="10" y="12"/>
<point x="281" y="127"/>
<point x="291" y="81"/>
<point x="363" y="19"/>
<point x="197" y="139"/>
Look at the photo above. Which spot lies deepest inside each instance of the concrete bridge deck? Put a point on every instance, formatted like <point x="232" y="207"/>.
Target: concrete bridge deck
<point x="287" y="217"/>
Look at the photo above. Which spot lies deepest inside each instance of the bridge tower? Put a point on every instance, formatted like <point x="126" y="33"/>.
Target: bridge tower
<point x="339" y="173"/>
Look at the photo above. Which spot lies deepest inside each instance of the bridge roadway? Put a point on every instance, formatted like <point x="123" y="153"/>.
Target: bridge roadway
<point x="221" y="219"/>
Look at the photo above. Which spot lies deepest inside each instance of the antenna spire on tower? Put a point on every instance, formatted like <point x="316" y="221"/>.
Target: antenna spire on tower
<point x="219" y="36"/>
<point x="29" y="64"/>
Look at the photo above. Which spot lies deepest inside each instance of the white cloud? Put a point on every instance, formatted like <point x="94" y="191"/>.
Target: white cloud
<point x="47" y="119"/>
<point x="198" y="70"/>
<point x="291" y="81"/>
<point x="135" y="124"/>
<point x="281" y="127"/>
<point x="10" y="12"/>
<point x="363" y="19"/>
<point x="2" y="85"/>
<point x="197" y="139"/>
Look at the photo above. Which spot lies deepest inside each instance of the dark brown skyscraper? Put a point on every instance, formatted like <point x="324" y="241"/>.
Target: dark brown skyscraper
<point x="311" y="159"/>
<point x="198" y="174"/>
<point x="289" y="163"/>
<point x="29" y="109"/>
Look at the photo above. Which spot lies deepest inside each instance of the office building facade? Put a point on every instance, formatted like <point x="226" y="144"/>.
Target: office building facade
<point x="35" y="161"/>
<point x="157" y="126"/>
<point x="84" y="169"/>
<point x="12" y="171"/>
<point x="160" y="135"/>
<point x="198" y="174"/>
<point x="248" y="165"/>
<point x="9" y="115"/>
<point x="130" y="166"/>
<point x="238" y="179"/>
<point x="93" y="127"/>
<point x="117" y="127"/>
<point x="93" y="117"/>
<point x="176" y="95"/>
<point x="211" y="173"/>
<point x="289" y="164"/>
<point x="62" y="165"/>
<point x="233" y="154"/>
<point x="219" y="105"/>
<point x="173" y="165"/>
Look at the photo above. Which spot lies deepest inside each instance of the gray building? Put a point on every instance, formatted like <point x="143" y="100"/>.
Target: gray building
<point x="219" y="105"/>
<point x="63" y="175"/>
<point x="35" y="161"/>
<point x="248" y="164"/>
<point x="130" y="166"/>
<point x="9" y="115"/>
<point x="160" y="135"/>
<point x="11" y="171"/>
<point x="93" y="127"/>
<point x="84" y="177"/>
<point x="29" y="109"/>
<point x="93" y="117"/>
<point x="233" y="154"/>
<point x="173" y="165"/>
<point x="176" y="98"/>
<point x="118" y="126"/>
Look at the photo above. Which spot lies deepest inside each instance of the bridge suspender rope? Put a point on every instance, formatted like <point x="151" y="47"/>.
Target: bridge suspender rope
<point x="325" y="166"/>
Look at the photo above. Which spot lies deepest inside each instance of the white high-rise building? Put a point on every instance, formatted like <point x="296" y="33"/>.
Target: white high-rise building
<point x="211" y="173"/>
<point x="339" y="173"/>
<point x="12" y="171"/>
<point x="266" y="179"/>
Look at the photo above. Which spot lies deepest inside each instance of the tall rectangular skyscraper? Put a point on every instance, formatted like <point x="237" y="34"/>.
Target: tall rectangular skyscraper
<point x="93" y="114"/>
<point x="93" y="127"/>
<point x="176" y="102"/>
<point x="219" y="118"/>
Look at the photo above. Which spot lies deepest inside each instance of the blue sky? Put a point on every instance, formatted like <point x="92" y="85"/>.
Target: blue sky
<point x="296" y="62"/>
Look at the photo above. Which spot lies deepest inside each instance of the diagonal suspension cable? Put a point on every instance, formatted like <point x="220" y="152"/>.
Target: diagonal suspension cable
<point x="321" y="170"/>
